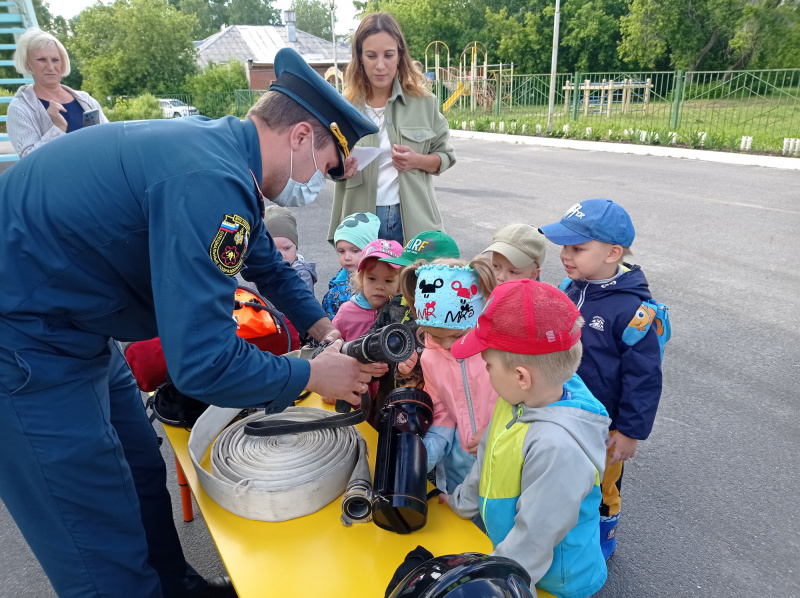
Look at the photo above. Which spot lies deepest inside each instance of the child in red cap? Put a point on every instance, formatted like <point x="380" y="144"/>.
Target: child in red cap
<point x="536" y="483"/>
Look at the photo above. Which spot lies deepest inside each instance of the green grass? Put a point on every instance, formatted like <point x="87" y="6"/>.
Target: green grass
<point x="768" y="120"/>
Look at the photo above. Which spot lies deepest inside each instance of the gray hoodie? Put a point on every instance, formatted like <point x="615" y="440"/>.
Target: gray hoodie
<point x="563" y="456"/>
<point x="306" y="270"/>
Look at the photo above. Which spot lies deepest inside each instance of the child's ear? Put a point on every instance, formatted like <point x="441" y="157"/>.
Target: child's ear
<point x="524" y="378"/>
<point x="614" y="254"/>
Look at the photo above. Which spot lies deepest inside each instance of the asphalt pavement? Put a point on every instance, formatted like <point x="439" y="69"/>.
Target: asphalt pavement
<point x="710" y="502"/>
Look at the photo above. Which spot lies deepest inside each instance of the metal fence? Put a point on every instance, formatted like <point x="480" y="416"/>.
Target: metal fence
<point x="714" y="109"/>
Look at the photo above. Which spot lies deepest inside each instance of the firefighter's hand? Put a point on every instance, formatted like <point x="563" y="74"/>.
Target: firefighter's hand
<point x="336" y="376"/>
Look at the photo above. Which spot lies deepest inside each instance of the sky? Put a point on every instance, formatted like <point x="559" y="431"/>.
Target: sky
<point x="345" y="11"/>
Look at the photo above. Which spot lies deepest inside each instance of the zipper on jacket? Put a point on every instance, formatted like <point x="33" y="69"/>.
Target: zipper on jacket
<point x="491" y="456"/>
<point x="469" y="396"/>
<point x="582" y="297"/>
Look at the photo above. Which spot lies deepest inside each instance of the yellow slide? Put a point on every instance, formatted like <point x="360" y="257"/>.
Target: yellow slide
<point x="452" y="99"/>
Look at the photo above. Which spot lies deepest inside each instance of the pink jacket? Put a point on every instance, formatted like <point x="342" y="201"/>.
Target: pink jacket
<point x="354" y="321"/>
<point x="463" y="397"/>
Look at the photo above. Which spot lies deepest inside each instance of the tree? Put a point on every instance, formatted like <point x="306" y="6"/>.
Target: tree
<point x="253" y="12"/>
<point x="313" y="17"/>
<point x="714" y="34"/>
<point x="217" y="78"/>
<point x="213" y="89"/>
<point x="211" y="16"/>
<point x="134" y="46"/>
<point x="452" y="21"/>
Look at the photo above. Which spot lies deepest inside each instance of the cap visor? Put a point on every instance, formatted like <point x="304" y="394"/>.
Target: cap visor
<point x="561" y="235"/>
<point x="397" y="261"/>
<point x="518" y="259"/>
<point x="337" y="172"/>
<point x="382" y="257"/>
<point x="468" y="346"/>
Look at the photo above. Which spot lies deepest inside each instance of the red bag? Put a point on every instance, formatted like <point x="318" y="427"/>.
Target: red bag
<point x="258" y="323"/>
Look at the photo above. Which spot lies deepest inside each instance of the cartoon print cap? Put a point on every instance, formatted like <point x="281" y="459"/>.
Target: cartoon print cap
<point x="524" y="317"/>
<point x="378" y="249"/>
<point x="430" y="245"/>
<point x="593" y="219"/>
<point x="296" y="79"/>
<point x="360" y="229"/>
<point x="447" y="296"/>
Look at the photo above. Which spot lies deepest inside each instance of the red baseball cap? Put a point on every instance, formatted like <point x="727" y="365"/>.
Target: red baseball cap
<point x="523" y="316"/>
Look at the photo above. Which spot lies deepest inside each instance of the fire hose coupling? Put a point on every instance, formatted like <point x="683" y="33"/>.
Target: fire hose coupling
<point x="392" y="344"/>
<point x="398" y="500"/>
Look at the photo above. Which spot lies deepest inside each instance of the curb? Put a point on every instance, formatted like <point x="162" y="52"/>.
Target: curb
<point x="639" y="150"/>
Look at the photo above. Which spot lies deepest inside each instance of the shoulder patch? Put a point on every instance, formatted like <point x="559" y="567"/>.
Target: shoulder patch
<point x="230" y="244"/>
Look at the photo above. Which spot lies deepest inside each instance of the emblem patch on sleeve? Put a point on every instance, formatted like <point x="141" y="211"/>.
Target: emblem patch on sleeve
<point x="230" y="244"/>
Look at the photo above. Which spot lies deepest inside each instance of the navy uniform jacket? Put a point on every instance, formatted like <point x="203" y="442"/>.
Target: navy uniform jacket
<point x="135" y="230"/>
<point x="625" y="379"/>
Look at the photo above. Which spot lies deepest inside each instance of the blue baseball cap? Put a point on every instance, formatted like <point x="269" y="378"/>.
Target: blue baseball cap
<point x="304" y="85"/>
<point x="592" y="220"/>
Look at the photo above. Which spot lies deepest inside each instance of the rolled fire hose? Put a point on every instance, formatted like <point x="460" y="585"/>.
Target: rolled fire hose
<point x="273" y="478"/>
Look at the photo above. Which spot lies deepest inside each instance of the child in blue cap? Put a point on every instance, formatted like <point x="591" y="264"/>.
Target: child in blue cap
<point x="623" y="374"/>
<point x="351" y="237"/>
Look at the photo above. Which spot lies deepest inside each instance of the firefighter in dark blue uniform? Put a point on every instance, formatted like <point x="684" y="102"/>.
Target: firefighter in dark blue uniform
<point x="130" y="231"/>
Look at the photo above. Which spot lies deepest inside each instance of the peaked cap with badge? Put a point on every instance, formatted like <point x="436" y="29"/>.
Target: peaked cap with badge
<point x="304" y="85"/>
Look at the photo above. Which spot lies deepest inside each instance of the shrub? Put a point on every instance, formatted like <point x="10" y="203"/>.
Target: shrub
<point x="145" y="107"/>
<point x="213" y="90"/>
<point x="4" y="93"/>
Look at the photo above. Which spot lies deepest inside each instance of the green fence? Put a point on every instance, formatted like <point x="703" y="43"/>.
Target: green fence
<point x="711" y="109"/>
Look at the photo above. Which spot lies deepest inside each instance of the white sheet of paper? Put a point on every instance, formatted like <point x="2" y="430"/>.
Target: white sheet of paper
<point x="365" y="155"/>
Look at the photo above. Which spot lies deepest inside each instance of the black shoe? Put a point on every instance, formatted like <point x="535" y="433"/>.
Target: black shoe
<point x="220" y="587"/>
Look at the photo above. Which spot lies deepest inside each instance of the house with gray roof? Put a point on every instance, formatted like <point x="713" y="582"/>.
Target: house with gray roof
<point x="255" y="46"/>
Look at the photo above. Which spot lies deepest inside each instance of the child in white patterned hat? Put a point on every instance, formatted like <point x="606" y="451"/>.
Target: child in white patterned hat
<point x="447" y="296"/>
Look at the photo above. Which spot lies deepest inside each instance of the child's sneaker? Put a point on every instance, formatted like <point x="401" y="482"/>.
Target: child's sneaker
<point x="608" y="535"/>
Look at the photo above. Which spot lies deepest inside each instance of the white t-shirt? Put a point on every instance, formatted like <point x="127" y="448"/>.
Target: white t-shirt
<point x="388" y="183"/>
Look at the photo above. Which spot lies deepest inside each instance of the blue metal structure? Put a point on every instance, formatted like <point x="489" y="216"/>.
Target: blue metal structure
<point x="20" y="16"/>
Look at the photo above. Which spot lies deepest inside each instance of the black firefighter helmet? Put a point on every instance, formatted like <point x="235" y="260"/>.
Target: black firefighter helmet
<point x="466" y="575"/>
<point x="172" y="407"/>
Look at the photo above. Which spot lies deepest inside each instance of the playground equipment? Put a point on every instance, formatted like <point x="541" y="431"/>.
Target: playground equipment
<point x="332" y="74"/>
<point x="19" y="15"/>
<point x="471" y="79"/>
<point x="598" y="94"/>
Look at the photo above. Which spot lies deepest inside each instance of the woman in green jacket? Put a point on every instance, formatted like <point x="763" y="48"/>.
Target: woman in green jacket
<point x="414" y="136"/>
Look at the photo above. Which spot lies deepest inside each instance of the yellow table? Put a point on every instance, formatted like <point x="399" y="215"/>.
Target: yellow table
<point x="316" y="555"/>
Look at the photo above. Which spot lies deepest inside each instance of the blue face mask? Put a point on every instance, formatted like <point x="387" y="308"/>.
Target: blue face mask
<point x="294" y="194"/>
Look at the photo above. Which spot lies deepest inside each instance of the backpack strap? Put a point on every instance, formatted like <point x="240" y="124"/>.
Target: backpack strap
<point x="564" y="284"/>
<point x="649" y="313"/>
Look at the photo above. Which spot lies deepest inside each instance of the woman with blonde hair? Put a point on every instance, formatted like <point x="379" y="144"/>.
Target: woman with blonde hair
<point x="413" y="136"/>
<point x="47" y="109"/>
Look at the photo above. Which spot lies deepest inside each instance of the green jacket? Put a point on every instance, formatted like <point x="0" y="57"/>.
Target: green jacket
<point x="417" y="123"/>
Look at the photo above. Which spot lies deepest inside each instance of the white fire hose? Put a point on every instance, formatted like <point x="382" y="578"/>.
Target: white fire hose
<point x="273" y="478"/>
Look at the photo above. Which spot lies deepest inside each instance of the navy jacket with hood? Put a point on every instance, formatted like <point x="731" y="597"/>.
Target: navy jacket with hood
<point x="626" y="379"/>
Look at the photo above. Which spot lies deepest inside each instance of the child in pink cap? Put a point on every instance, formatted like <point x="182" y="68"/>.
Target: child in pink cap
<point x="373" y="285"/>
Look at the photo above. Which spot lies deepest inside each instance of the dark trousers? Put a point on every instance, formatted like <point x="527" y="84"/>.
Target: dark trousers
<point x="82" y="475"/>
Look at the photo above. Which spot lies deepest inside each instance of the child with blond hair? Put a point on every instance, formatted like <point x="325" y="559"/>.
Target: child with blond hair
<point x="621" y="369"/>
<point x="536" y="482"/>
<point x="447" y="296"/>
<point x="374" y="284"/>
